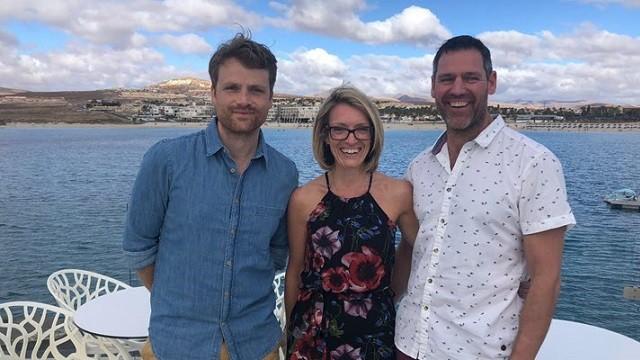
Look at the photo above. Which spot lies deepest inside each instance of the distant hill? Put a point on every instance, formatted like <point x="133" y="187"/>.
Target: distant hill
<point x="414" y="100"/>
<point x="7" y="91"/>
<point x="182" y="85"/>
<point x="191" y="85"/>
<point x="549" y="103"/>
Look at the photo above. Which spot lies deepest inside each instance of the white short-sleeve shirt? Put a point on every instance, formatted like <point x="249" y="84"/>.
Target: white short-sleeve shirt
<point x="468" y="258"/>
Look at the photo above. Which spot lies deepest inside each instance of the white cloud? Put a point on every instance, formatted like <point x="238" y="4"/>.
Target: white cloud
<point x="391" y="75"/>
<point x="186" y="44"/>
<point x="568" y="82"/>
<point x="629" y="3"/>
<point x="315" y="71"/>
<point x="7" y="39"/>
<point x="202" y="14"/>
<point x="111" y="44"/>
<point x="592" y="45"/>
<point x="309" y="72"/>
<point x="85" y="68"/>
<point x="339" y="18"/>
<point x="117" y="22"/>
<point x="510" y="47"/>
<point x="588" y="64"/>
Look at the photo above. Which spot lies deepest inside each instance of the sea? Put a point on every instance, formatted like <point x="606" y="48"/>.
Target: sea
<point x="64" y="193"/>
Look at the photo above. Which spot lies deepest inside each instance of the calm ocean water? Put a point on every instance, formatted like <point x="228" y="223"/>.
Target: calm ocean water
<point x="63" y="195"/>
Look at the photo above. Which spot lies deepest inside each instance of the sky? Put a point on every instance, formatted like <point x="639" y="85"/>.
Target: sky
<point x="563" y="50"/>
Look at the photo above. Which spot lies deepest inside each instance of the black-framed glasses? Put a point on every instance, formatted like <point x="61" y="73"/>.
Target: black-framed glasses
<point x="342" y="133"/>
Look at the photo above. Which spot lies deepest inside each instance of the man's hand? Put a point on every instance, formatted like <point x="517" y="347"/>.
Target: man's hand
<point x="146" y="276"/>
<point x="523" y="290"/>
<point x="543" y="252"/>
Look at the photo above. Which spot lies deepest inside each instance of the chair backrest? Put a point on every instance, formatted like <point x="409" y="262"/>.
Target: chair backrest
<point x="37" y="331"/>
<point x="72" y="288"/>
<point x="31" y="330"/>
<point x="278" y="288"/>
<point x="278" y="285"/>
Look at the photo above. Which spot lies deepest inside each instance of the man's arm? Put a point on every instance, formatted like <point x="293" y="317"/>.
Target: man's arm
<point x="145" y="213"/>
<point x="402" y="268"/>
<point x="543" y="252"/>
<point x="297" y="221"/>
<point x="408" y="224"/>
<point x="278" y="245"/>
<point x="146" y="276"/>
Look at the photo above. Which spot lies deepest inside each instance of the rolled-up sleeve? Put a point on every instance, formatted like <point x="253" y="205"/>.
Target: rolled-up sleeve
<point x="147" y="206"/>
<point x="543" y="203"/>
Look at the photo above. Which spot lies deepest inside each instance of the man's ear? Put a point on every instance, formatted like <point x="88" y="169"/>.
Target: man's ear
<point x="433" y="81"/>
<point x="492" y="83"/>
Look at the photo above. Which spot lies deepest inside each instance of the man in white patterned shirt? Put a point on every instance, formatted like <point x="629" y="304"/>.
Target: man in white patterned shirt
<point x="493" y="211"/>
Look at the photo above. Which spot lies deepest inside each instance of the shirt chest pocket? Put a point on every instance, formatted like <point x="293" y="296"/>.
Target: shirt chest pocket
<point x="257" y="225"/>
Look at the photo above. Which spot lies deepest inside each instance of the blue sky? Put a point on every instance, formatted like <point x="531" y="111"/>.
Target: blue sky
<point x="565" y="50"/>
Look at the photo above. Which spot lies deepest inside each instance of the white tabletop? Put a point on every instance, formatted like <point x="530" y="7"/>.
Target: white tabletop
<point x="122" y="314"/>
<point x="568" y="340"/>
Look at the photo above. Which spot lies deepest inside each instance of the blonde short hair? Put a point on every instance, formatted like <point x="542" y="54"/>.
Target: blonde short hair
<point x="351" y="96"/>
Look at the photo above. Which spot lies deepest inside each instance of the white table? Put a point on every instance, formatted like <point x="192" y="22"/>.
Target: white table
<point x="123" y="314"/>
<point x="568" y="340"/>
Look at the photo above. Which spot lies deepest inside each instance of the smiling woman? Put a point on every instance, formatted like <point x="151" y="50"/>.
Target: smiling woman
<point x="342" y="226"/>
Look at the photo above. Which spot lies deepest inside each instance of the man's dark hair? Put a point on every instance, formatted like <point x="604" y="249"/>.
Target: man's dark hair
<point x="251" y="54"/>
<point x="464" y="42"/>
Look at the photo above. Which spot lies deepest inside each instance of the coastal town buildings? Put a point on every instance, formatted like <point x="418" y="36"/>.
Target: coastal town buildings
<point x="188" y="100"/>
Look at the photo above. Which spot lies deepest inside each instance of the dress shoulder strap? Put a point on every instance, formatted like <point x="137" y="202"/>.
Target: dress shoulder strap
<point x="326" y="177"/>
<point x="370" y="181"/>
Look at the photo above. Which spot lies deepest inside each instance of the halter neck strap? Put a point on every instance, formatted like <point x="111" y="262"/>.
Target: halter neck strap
<point x="326" y="178"/>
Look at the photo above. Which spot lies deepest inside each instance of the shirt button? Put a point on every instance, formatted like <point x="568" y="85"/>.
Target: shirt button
<point x="426" y="307"/>
<point x="228" y="263"/>
<point x="233" y="170"/>
<point x="436" y="250"/>
<point x="429" y="280"/>
<point x="448" y="189"/>
<point x="226" y="294"/>
<point x="442" y="220"/>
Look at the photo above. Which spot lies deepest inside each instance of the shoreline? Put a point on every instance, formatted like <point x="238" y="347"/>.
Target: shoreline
<point x="560" y="127"/>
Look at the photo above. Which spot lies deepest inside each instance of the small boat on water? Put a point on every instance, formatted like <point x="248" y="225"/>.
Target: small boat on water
<point x="623" y="199"/>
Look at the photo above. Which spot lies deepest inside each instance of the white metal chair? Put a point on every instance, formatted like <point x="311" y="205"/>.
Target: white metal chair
<point x="31" y="330"/>
<point x="278" y="288"/>
<point x="72" y="287"/>
<point x="279" y="311"/>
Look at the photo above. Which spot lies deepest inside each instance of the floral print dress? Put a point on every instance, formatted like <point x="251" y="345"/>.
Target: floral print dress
<point x="345" y="306"/>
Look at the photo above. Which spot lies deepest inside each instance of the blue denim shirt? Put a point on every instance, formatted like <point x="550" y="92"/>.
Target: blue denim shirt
<point x="216" y="238"/>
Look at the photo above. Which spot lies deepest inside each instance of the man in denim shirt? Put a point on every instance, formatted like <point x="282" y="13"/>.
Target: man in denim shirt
<point x="206" y="225"/>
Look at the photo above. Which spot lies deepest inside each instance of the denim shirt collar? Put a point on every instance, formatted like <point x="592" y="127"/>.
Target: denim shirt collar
<point x="213" y="144"/>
